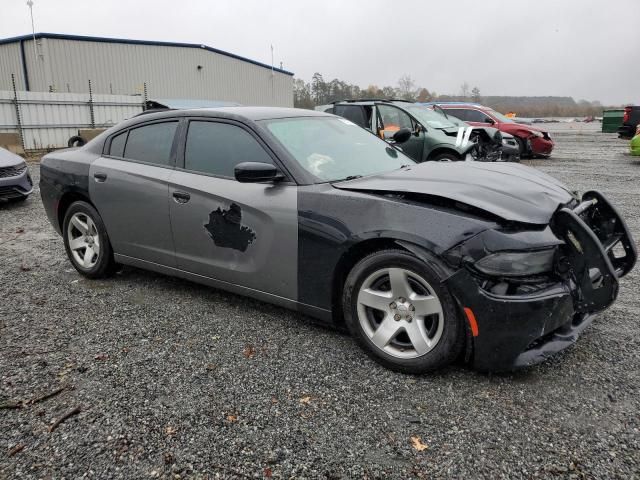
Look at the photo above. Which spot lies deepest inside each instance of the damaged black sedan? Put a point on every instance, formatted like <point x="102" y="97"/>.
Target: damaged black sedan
<point x="427" y="263"/>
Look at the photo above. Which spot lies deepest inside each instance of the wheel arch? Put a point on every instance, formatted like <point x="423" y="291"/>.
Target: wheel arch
<point x="434" y="153"/>
<point x="66" y="200"/>
<point x="360" y="250"/>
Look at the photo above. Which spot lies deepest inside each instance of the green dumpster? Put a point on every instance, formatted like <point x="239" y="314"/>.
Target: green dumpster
<point x="635" y="145"/>
<point x="612" y="120"/>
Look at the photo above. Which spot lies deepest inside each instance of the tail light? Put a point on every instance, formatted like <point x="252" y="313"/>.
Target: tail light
<point x="627" y="114"/>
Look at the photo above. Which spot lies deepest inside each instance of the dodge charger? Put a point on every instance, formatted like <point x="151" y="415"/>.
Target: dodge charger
<point x="495" y="264"/>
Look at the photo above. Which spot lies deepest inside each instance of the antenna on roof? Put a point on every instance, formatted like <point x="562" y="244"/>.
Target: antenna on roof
<point x="33" y="29"/>
<point x="272" y="60"/>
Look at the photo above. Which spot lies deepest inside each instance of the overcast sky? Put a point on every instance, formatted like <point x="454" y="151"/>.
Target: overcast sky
<point x="581" y="48"/>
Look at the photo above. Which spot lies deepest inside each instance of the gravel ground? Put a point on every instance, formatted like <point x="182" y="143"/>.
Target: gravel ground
<point x="176" y="380"/>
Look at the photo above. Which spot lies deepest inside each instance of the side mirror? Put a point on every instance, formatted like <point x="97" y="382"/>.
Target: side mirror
<point x="254" y="172"/>
<point x="489" y="121"/>
<point x="402" y="135"/>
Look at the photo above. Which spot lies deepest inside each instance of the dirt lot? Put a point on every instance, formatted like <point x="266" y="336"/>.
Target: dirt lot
<point x="177" y="380"/>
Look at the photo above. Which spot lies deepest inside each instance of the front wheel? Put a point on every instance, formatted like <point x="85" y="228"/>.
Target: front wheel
<point x="522" y="146"/>
<point x="446" y="157"/>
<point x="397" y="309"/>
<point x="86" y="241"/>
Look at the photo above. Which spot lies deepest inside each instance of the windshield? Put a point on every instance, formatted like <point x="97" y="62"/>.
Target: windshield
<point x="428" y="117"/>
<point x="334" y="149"/>
<point x="501" y="117"/>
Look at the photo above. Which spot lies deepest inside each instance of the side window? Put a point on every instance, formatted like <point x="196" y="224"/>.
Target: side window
<point x="460" y="113"/>
<point x="151" y="143"/>
<point x="216" y="148"/>
<point x="117" y="145"/>
<point x="393" y="119"/>
<point x="476" y="116"/>
<point x="353" y="113"/>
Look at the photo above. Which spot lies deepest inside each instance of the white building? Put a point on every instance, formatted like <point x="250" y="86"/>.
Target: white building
<point x="66" y="63"/>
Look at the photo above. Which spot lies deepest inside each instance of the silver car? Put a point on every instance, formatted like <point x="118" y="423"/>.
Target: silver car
<point x="15" y="181"/>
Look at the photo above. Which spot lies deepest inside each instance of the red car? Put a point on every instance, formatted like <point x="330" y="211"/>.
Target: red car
<point x="532" y="141"/>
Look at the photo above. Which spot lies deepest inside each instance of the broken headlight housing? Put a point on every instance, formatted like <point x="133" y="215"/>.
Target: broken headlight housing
<point x="517" y="264"/>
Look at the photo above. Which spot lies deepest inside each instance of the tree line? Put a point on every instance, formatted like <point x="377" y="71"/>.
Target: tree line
<point x="320" y="92"/>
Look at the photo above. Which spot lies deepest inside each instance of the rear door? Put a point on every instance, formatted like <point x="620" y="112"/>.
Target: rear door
<point x="241" y="233"/>
<point x="129" y="187"/>
<point x="355" y="113"/>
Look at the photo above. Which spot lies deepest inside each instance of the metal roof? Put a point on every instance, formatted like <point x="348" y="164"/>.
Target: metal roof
<point x="83" y="38"/>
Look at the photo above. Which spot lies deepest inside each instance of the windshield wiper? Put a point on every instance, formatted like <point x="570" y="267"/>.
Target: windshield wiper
<point x="350" y="177"/>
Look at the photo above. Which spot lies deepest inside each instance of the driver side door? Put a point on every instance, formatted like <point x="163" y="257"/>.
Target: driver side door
<point x="390" y="120"/>
<point x="240" y="233"/>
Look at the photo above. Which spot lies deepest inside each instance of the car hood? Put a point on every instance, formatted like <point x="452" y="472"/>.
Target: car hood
<point x="525" y="126"/>
<point x="510" y="191"/>
<point x="8" y="159"/>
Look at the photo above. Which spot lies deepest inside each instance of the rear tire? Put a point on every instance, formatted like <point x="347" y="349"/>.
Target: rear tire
<point x="86" y="241"/>
<point x="399" y="312"/>
<point x="76" y="141"/>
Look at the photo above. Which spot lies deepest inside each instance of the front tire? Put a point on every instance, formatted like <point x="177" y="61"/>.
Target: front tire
<point x="446" y="157"/>
<point x="86" y="241"/>
<point x="522" y="146"/>
<point x="398" y="311"/>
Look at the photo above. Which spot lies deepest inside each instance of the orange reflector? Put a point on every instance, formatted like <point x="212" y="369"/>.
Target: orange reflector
<point x="472" y="321"/>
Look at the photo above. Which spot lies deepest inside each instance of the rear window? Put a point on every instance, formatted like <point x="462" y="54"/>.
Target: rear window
<point x="117" y="145"/>
<point x="457" y="112"/>
<point x="151" y="143"/>
<point x="353" y="113"/>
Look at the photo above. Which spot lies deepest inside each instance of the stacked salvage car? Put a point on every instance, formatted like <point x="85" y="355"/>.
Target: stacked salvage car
<point x="434" y="134"/>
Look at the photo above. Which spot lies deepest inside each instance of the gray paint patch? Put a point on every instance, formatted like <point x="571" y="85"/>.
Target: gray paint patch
<point x="226" y="230"/>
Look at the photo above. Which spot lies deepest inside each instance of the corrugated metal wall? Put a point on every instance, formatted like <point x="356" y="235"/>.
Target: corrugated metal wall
<point x="48" y="120"/>
<point x="121" y="68"/>
<point x="10" y="62"/>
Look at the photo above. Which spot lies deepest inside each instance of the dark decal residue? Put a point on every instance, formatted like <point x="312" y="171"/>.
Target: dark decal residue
<point x="226" y="230"/>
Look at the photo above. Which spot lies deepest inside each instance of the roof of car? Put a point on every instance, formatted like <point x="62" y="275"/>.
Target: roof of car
<point x="370" y="101"/>
<point x="251" y="113"/>
<point x="455" y="104"/>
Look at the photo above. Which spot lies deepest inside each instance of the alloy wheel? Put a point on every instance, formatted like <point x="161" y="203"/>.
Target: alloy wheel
<point x="84" y="241"/>
<point x="400" y="313"/>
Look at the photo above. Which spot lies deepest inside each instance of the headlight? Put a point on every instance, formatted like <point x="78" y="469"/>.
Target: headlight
<point x="537" y="134"/>
<point x="517" y="264"/>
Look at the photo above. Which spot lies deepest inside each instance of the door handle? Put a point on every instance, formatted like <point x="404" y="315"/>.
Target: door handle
<point x="181" y="197"/>
<point x="100" y="177"/>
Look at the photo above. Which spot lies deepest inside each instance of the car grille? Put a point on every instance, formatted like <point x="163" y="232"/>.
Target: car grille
<point x="6" y="172"/>
<point x="10" y="192"/>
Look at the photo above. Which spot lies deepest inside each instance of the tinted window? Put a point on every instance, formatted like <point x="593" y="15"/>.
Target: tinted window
<point x="117" y="145"/>
<point x="476" y="116"/>
<point x="151" y="143"/>
<point x="457" y="112"/>
<point x="216" y="148"/>
<point x="353" y="113"/>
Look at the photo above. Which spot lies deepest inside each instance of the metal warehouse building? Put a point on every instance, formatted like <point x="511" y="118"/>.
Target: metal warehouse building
<point x="66" y="63"/>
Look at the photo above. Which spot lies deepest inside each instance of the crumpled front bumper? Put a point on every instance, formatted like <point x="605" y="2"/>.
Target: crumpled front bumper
<point x="541" y="146"/>
<point x="513" y="331"/>
<point x="17" y="186"/>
